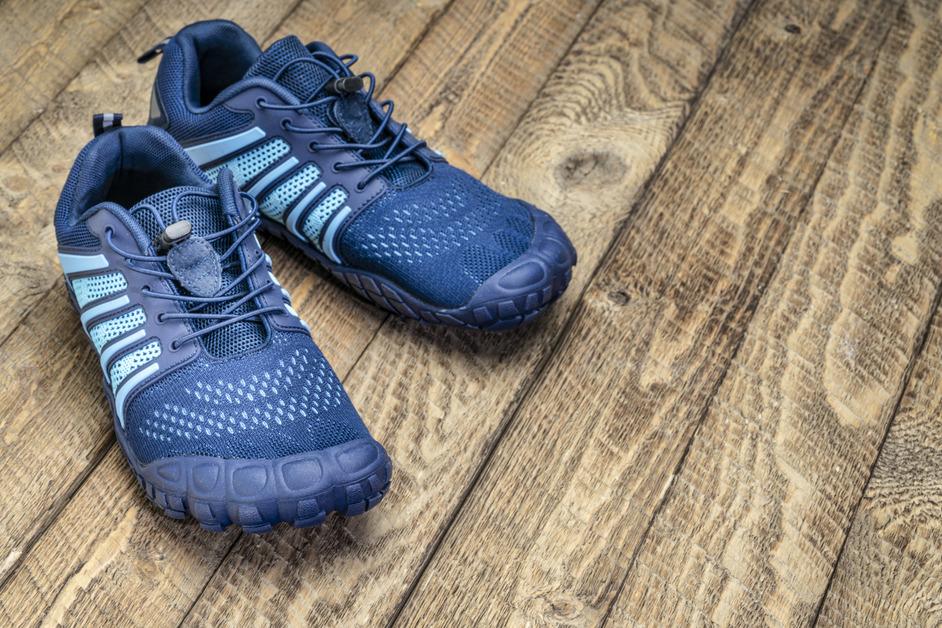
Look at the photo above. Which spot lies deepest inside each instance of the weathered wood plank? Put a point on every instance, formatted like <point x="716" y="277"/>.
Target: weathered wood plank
<point x="438" y="398"/>
<point x="43" y="45"/>
<point x="890" y="573"/>
<point x="343" y="322"/>
<point x="756" y="517"/>
<point x="549" y="532"/>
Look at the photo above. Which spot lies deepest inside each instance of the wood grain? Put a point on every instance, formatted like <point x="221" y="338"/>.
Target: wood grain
<point x="438" y="398"/>
<point x="43" y="45"/>
<point x="550" y="530"/>
<point x="342" y="321"/>
<point x="755" y="519"/>
<point x="890" y="573"/>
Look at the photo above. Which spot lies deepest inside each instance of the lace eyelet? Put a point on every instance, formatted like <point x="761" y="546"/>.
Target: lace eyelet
<point x="160" y="318"/>
<point x="260" y="103"/>
<point x="174" y="346"/>
<point x="312" y="147"/>
<point x="333" y="167"/>
<point x="360" y="187"/>
<point x="285" y="122"/>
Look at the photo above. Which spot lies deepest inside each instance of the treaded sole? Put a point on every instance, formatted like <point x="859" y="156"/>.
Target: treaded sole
<point x="348" y="479"/>
<point x="503" y="312"/>
<point x="302" y="490"/>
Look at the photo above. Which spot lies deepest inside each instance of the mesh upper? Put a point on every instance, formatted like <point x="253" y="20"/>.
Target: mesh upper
<point x="181" y="122"/>
<point x="130" y="362"/>
<point x="252" y="393"/>
<point x="155" y="212"/>
<point x="440" y="239"/>
<point x="88" y="289"/>
<point x="109" y="329"/>
<point x="280" y="401"/>
<point x="306" y="81"/>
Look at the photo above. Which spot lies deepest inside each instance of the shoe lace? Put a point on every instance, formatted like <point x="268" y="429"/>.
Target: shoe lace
<point x="388" y="137"/>
<point x="194" y="305"/>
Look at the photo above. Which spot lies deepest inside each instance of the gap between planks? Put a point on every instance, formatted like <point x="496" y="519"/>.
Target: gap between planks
<point x="539" y="372"/>
<point x="904" y="388"/>
<point x="712" y="396"/>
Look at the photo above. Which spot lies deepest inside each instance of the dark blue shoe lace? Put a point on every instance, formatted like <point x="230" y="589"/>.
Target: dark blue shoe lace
<point x="196" y="304"/>
<point x="384" y="149"/>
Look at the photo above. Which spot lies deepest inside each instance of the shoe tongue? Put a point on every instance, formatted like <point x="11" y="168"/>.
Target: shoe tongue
<point x="207" y="213"/>
<point x="306" y="81"/>
<point x="155" y="212"/>
<point x="303" y="79"/>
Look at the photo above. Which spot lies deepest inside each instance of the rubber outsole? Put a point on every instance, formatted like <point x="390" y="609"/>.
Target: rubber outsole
<point x="515" y="295"/>
<point x="302" y="490"/>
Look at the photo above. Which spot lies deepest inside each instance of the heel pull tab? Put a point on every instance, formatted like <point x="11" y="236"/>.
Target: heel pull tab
<point x="102" y="122"/>
<point x="153" y="51"/>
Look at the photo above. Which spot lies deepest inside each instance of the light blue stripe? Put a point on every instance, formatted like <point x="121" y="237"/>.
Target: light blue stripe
<point x="269" y="178"/>
<point x="98" y="310"/>
<point x="211" y="151"/>
<point x="117" y="346"/>
<point x="300" y="206"/>
<point x="81" y="263"/>
<point x="128" y="385"/>
<point x="332" y="232"/>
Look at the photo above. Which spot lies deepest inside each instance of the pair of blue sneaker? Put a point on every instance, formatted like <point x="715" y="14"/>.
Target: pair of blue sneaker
<point x="224" y="406"/>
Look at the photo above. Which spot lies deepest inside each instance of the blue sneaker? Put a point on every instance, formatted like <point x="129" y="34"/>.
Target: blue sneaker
<point x="222" y="403"/>
<point x="336" y="176"/>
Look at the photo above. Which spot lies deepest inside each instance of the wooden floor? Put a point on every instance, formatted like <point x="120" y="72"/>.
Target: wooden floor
<point x="732" y="417"/>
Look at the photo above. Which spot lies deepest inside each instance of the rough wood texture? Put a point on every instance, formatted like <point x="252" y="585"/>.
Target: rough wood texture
<point x="686" y="437"/>
<point x="569" y="492"/>
<point x="890" y="573"/>
<point x="756" y="516"/>
<point x="439" y="398"/>
<point x="43" y="45"/>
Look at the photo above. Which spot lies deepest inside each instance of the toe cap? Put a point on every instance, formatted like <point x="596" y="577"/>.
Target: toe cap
<point x="524" y="287"/>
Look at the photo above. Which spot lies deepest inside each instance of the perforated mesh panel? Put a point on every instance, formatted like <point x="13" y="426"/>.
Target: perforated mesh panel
<point x="301" y="79"/>
<point x="282" y="197"/>
<point x="133" y="361"/>
<point x="88" y="289"/>
<point x="440" y="239"/>
<point x="104" y="332"/>
<point x="281" y="400"/>
<point x="318" y="217"/>
<point x="249" y="164"/>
